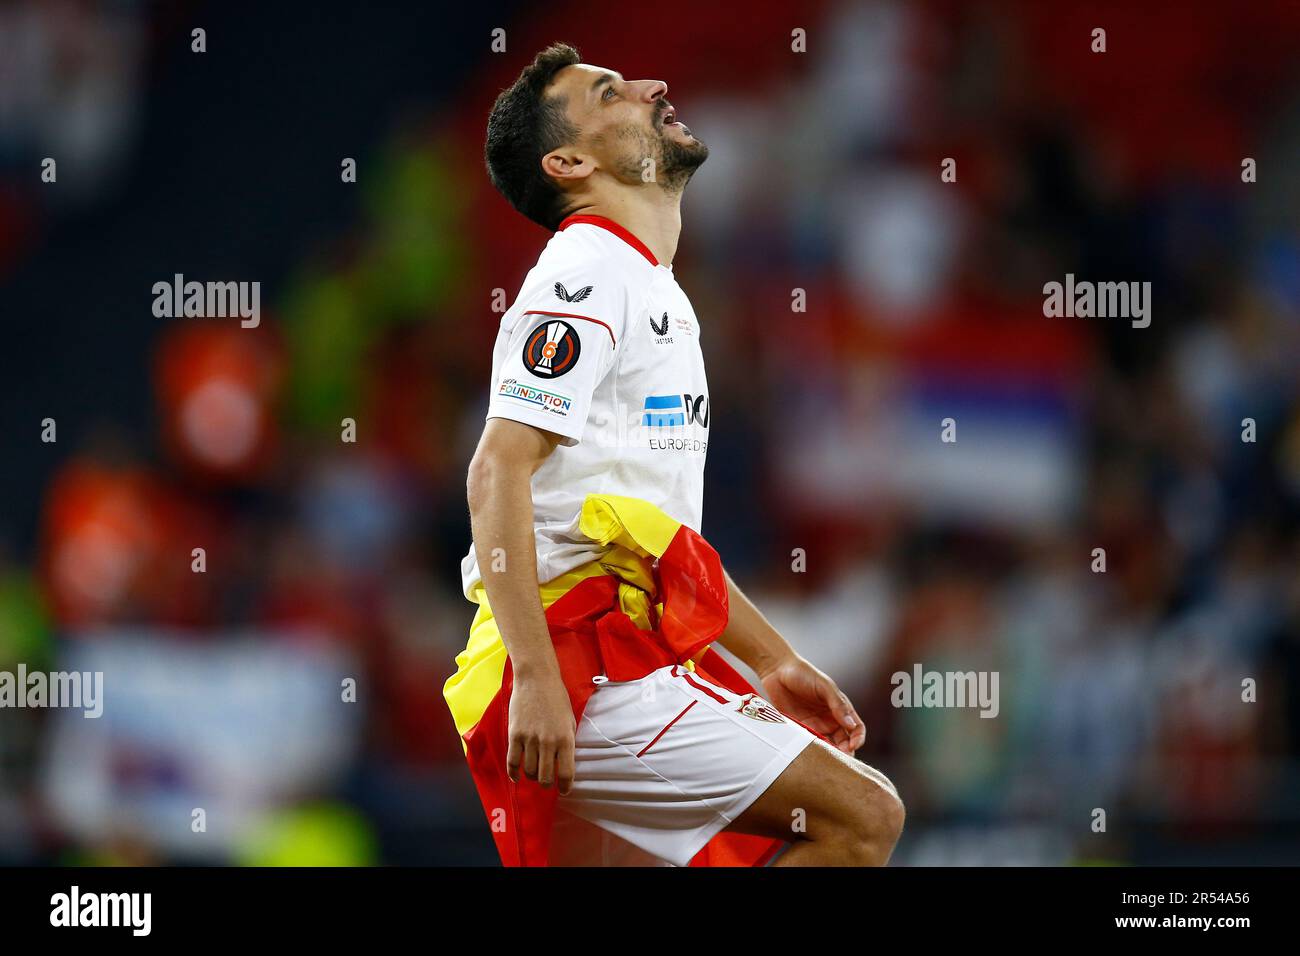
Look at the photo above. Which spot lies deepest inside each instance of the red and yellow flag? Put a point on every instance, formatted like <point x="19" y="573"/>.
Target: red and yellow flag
<point x="658" y="597"/>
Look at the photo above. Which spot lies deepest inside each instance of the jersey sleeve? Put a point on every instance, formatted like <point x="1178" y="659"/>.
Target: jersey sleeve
<point x="561" y="338"/>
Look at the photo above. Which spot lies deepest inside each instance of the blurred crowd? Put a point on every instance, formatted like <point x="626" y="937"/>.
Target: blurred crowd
<point x="317" y="462"/>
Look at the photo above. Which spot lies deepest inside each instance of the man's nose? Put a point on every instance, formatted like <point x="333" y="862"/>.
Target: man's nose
<point x="654" y="90"/>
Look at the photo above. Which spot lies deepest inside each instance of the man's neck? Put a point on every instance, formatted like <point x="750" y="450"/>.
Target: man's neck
<point x="653" y="216"/>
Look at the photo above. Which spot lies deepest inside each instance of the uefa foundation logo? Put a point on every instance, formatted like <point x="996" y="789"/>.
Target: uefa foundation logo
<point x="550" y="402"/>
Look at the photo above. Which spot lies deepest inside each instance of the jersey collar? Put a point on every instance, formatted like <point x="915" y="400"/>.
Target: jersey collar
<point x="612" y="226"/>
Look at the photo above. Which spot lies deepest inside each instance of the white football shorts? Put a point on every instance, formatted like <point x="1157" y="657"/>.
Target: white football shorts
<point x="663" y="764"/>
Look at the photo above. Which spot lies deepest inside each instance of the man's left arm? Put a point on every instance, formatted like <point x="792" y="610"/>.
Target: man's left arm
<point x="791" y="683"/>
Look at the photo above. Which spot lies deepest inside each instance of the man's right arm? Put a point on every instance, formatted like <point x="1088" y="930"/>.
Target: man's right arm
<point x="499" y="488"/>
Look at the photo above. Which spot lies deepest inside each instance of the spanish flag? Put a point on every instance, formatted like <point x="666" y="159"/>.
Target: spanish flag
<point x="656" y="598"/>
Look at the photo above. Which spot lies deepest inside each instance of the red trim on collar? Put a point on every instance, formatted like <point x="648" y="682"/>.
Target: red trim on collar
<point x="612" y="226"/>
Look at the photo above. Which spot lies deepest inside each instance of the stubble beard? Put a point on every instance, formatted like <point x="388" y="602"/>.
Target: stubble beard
<point x="679" y="161"/>
<point x="674" y="163"/>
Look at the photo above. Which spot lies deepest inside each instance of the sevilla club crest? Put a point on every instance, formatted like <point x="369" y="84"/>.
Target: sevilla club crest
<point x="759" y="709"/>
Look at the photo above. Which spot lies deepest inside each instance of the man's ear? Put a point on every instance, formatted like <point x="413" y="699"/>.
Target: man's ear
<point x="565" y="164"/>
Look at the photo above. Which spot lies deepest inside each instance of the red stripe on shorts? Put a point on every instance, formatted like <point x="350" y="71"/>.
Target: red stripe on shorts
<point x="698" y="686"/>
<point x="665" y="730"/>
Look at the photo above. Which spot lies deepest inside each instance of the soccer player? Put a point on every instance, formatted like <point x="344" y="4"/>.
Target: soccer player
<point x="599" y="724"/>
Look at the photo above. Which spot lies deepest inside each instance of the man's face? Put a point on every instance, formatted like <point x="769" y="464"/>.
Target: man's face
<point x="623" y="123"/>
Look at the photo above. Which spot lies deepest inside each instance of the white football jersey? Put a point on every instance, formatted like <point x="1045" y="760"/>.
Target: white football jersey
<point x="602" y="348"/>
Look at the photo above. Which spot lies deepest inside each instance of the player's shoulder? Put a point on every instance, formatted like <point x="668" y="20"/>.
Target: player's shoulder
<point x="583" y="264"/>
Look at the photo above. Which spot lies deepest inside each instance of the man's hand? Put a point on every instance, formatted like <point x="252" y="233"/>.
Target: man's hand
<point x="541" y="732"/>
<point x="810" y="697"/>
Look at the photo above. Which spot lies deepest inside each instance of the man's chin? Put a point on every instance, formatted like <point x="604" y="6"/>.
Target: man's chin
<point x="684" y="153"/>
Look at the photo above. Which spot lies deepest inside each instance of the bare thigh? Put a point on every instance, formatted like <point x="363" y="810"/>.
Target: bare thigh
<point x="820" y="795"/>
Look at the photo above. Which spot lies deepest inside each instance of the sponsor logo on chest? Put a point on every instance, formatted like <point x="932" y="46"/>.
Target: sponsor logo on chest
<point x="666" y="326"/>
<point x="676" y="422"/>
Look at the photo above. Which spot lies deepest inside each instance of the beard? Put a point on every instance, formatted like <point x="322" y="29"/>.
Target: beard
<point x="678" y="161"/>
<point x="675" y="162"/>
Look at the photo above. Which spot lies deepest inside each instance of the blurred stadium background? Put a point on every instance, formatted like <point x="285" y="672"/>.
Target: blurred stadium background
<point x="1119" y="690"/>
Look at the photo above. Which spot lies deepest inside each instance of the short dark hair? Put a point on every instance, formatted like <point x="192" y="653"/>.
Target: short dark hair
<point x="524" y="126"/>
